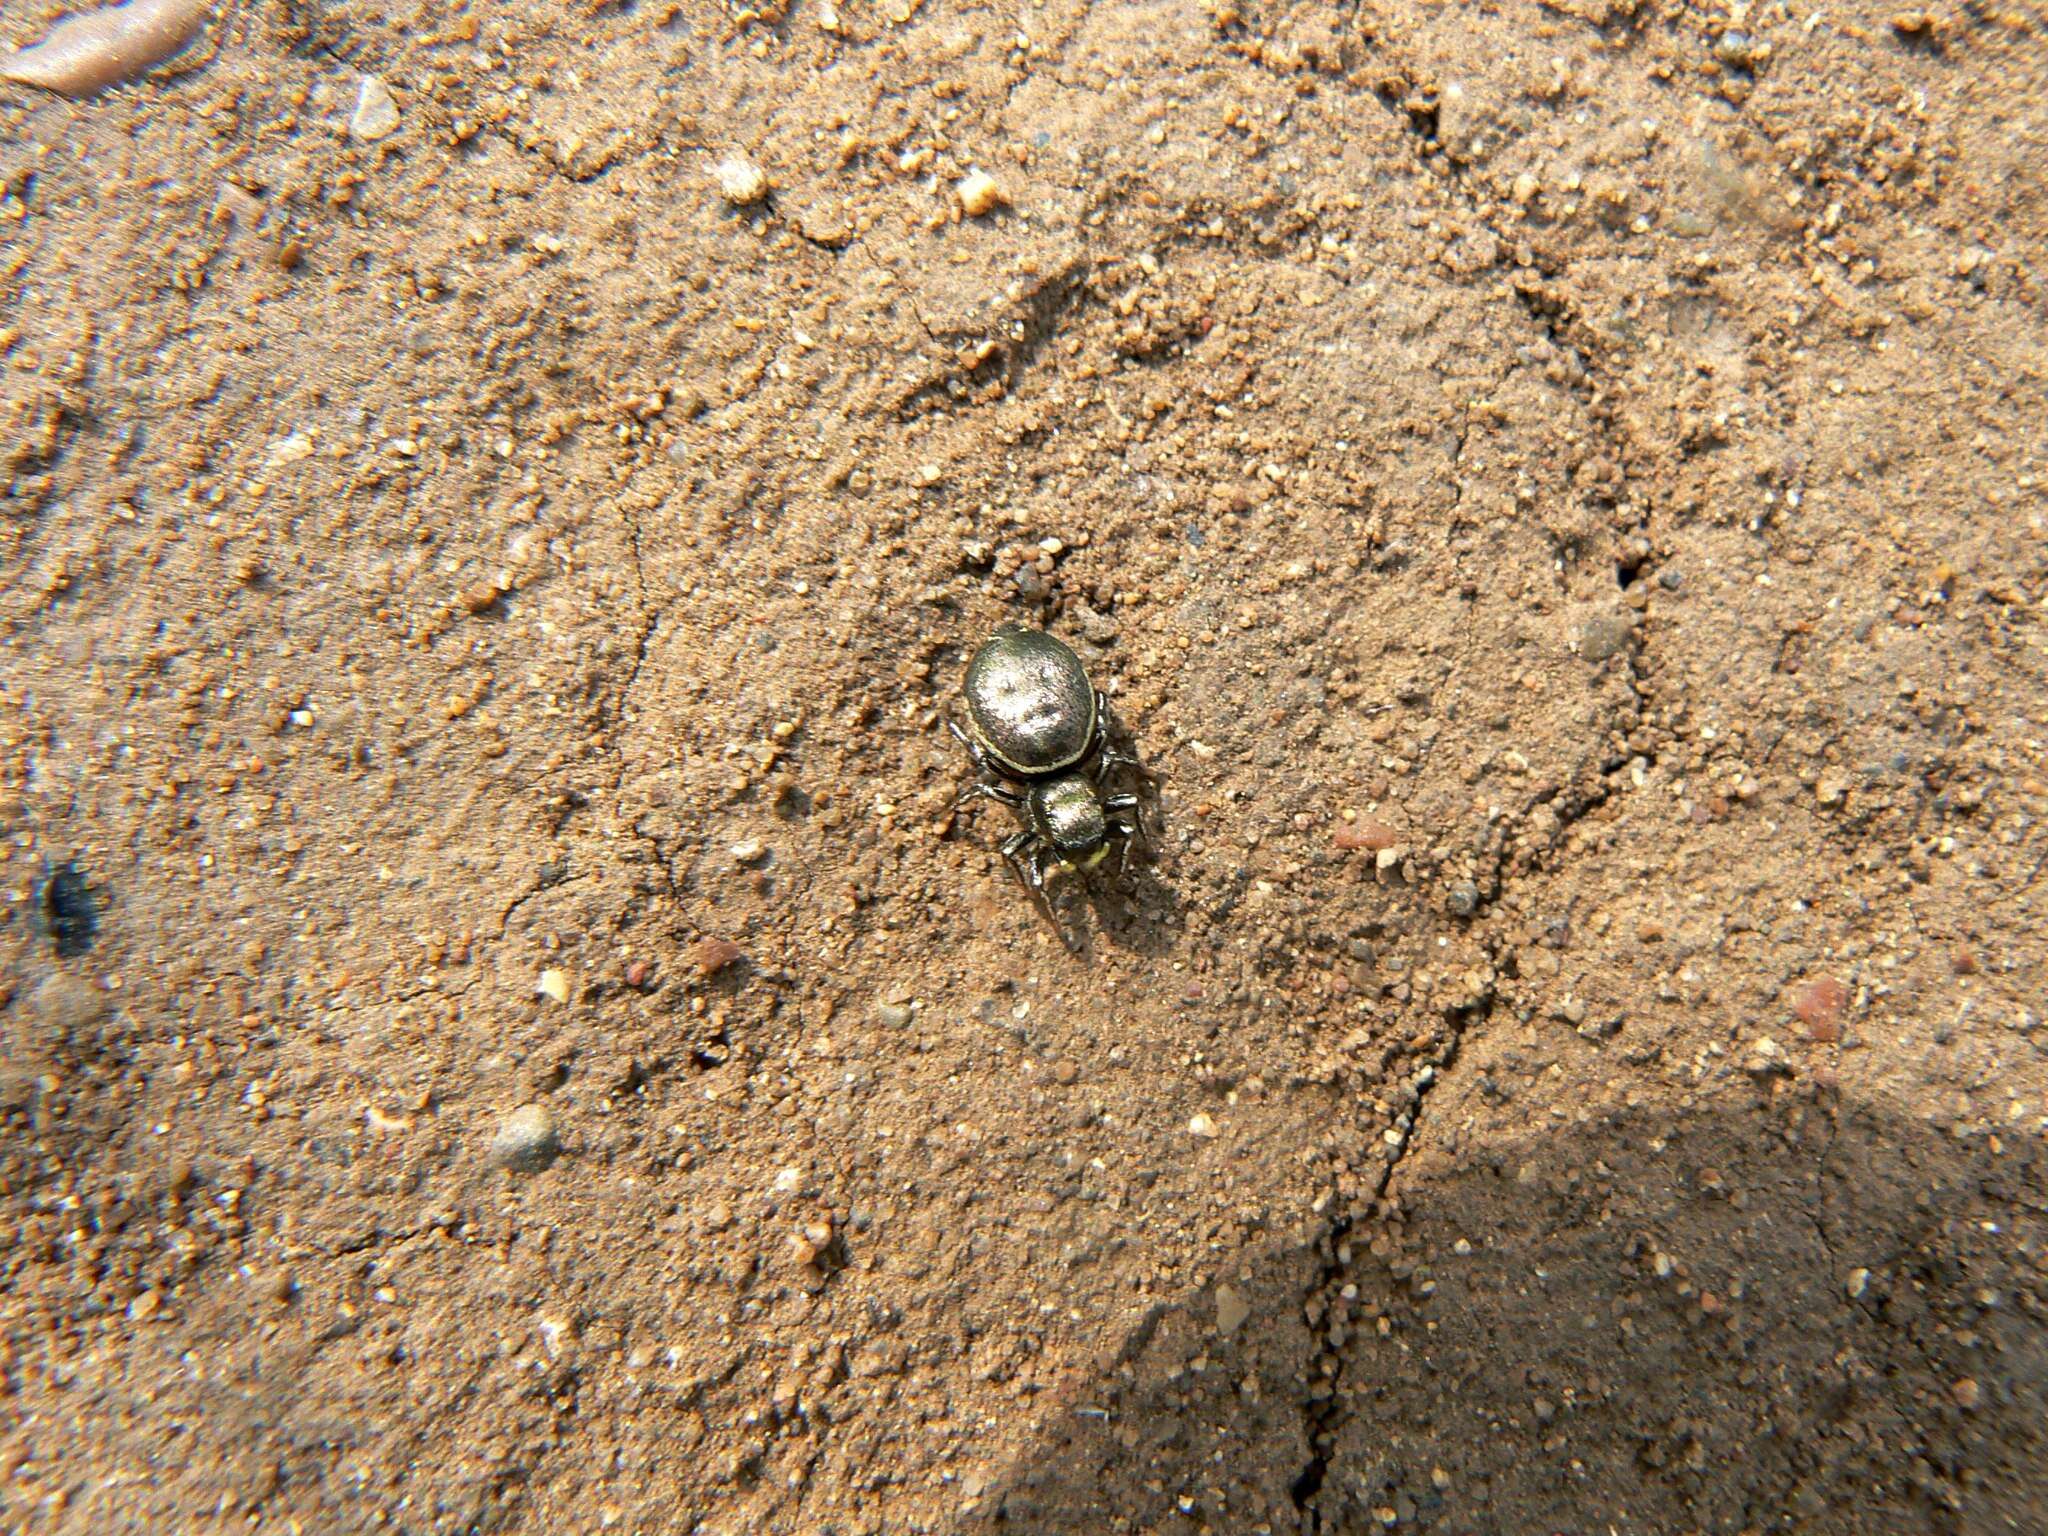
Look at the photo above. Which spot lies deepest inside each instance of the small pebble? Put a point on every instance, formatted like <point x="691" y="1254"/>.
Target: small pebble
<point x="526" y="1140"/>
<point x="1818" y="1002"/>
<point x="740" y="181"/>
<point x="1231" y="1310"/>
<point x="714" y="955"/>
<point x="892" y="1015"/>
<point x="1967" y="1393"/>
<point x="1857" y="1283"/>
<point x="1201" y="1125"/>
<point x="1766" y="1059"/>
<point x="1462" y="898"/>
<point x="749" y="852"/>
<point x="376" y="114"/>
<point x="1606" y="633"/>
<point x="811" y="1246"/>
<point x="96" y="47"/>
<point x="480" y="598"/>
<point x="66" y="1007"/>
<point x="554" y="985"/>
<point x="1365" y="833"/>
<point x="1735" y="50"/>
<point x="979" y="194"/>
<point x="637" y="973"/>
<point x="1065" y="1072"/>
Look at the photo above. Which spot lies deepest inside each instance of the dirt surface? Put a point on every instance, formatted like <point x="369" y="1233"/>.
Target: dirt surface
<point x="505" y="1030"/>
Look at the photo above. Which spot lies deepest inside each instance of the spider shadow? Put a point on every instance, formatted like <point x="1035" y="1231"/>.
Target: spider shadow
<point x="1134" y="910"/>
<point x="1127" y="902"/>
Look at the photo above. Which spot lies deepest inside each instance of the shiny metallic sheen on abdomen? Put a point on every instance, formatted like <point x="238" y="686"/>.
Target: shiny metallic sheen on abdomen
<point x="1031" y="703"/>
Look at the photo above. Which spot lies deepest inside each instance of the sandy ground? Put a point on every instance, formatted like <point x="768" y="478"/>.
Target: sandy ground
<point x="505" y="1031"/>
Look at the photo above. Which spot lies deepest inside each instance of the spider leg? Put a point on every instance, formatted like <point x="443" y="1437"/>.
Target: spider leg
<point x="1110" y="758"/>
<point x="1027" y="875"/>
<point x="1039" y="857"/>
<point x="988" y="791"/>
<point x="1127" y="812"/>
<point x="974" y="752"/>
<point x="1113" y="759"/>
<point x="1131" y="829"/>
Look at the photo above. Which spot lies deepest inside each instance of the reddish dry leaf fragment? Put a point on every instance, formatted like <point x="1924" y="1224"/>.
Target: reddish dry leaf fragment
<point x="1819" y="1001"/>
<point x="714" y="955"/>
<point x="1366" y="833"/>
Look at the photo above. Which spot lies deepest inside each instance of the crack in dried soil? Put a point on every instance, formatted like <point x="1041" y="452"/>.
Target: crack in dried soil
<point x="1326" y="1421"/>
<point x="1323" y="1405"/>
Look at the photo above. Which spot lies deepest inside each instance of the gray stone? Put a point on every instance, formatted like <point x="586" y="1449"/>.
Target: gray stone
<point x="1608" y="632"/>
<point x="526" y="1141"/>
<point x="66" y="1007"/>
<point x="1231" y="1310"/>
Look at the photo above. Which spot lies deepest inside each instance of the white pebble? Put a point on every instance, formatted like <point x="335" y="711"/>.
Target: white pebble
<point x="979" y="194"/>
<point x="740" y="181"/>
<point x="554" y="985"/>
<point x="376" y="114"/>
<point x="1203" y="1126"/>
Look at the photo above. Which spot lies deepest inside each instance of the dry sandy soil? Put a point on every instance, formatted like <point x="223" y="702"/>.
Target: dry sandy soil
<point x="1556" y="492"/>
